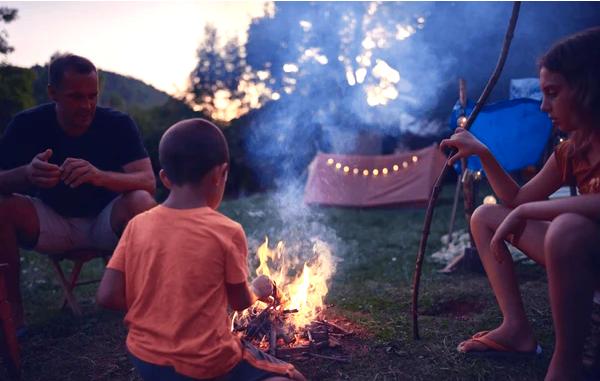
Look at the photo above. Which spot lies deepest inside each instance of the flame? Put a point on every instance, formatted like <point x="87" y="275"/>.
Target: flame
<point x="307" y="290"/>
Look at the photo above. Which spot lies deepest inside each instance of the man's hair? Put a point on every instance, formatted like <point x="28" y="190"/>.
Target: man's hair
<point x="62" y="63"/>
<point x="577" y="58"/>
<point x="189" y="149"/>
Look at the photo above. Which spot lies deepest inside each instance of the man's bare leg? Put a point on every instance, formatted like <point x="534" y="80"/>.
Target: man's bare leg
<point x="128" y="206"/>
<point x="19" y="226"/>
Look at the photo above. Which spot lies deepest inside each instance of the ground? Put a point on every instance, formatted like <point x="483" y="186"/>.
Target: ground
<point x="370" y="294"/>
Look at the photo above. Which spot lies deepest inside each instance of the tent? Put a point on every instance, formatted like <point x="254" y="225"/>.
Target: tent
<point x="516" y="131"/>
<point x="376" y="180"/>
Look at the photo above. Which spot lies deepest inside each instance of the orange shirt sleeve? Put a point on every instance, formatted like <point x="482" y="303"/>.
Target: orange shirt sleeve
<point x="117" y="261"/>
<point x="236" y="262"/>
<point x="565" y="166"/>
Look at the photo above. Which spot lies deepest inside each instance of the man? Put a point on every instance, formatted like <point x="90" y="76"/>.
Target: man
<point x="85" y="166"/>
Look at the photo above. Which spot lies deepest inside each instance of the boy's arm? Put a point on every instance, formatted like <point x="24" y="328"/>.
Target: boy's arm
<point x="111" y="292"/>
<point x="240" y="296"/>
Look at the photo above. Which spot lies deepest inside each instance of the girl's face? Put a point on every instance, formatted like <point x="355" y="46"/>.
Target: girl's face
<point x="559" y="101"/>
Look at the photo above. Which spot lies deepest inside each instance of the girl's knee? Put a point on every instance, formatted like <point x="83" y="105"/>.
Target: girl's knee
<point x="488" y="215"/>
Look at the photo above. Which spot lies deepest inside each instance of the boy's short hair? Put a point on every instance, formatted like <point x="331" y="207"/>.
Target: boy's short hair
<point x="62" y="63"/>
<point x="189" y="149"/>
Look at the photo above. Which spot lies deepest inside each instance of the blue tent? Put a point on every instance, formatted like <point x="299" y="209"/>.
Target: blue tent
<point x="516" y="131"/>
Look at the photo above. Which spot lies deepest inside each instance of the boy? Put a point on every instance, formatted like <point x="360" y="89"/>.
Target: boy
<point x="178" y="266"/>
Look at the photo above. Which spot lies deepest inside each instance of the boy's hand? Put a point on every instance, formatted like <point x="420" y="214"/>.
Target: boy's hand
<point x="264" y="288"/>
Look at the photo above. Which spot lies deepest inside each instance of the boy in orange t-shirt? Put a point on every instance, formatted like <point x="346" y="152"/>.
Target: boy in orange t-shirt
<point x="179" y="265"/>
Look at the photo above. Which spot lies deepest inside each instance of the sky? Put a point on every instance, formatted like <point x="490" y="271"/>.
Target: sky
<point x="155" y="42"/>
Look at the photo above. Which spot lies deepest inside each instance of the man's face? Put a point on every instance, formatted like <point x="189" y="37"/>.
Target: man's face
<point x="75" y="99"/>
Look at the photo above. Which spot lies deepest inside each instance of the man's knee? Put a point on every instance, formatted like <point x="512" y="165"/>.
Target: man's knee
<point x="17" y="212"/>
<point x="137" y="201"/>
<point x="568" y="235"/>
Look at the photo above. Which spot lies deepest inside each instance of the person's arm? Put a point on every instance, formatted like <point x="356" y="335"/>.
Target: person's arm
<point x="111" y="292"/>
<point x="37" y="173"/>
<point x="240" y="296"/>
<point x="137" y="175"/>
<point x="587" y="205"/>
<point x="504" y="186"/>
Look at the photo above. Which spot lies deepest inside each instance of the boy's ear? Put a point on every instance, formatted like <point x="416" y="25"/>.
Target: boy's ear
<point x="165" y="179"/>
<point x="219" y="173"/>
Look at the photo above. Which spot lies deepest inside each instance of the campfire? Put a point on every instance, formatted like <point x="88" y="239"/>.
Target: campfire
<point x="292" y="326"/>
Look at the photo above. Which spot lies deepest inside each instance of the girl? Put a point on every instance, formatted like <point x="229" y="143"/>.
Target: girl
<point x="563" y="235"/>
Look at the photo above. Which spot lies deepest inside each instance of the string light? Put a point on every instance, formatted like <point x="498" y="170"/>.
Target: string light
<point x="375" y="171"/>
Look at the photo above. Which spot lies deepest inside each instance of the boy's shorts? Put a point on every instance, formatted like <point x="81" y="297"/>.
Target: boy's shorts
<point x="255" y="366"/>
<point x="59" y="234"/>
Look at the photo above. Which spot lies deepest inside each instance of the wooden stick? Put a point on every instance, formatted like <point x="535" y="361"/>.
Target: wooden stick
<point x="438" y="183"/>
<point x="334" y="358"/>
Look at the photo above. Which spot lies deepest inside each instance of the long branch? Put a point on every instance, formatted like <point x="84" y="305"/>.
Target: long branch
<point x="438" y="184"/>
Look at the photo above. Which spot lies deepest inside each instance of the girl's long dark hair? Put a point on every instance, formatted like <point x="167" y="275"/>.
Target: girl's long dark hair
<point x="577" y="58"/>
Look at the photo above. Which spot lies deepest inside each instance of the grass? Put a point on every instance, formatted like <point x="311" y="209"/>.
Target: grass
<point x="370" y="291"/>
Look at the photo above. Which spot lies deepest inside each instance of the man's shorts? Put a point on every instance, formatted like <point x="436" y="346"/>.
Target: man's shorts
<point x="255" y="366"/>
<point x="59" y="234"/>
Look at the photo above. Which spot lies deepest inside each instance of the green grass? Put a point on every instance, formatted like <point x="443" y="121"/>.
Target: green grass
<point x="371" y="289"/>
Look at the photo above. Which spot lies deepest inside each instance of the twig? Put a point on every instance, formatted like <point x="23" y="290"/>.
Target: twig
<point x="333" y="325"/>
<point x="438" y="183"/>
<point x="334" y="358"/>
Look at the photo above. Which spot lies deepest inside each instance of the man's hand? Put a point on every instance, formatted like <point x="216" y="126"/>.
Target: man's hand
<point x="510" y="229"/>
<point x="42" y="174"/>
<point x="78" y="171"/>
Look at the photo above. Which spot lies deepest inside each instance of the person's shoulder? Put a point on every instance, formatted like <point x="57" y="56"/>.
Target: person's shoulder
<point x="223" y="222"/>
<point x="109" y="114"/>
<point x="33" y="115"/>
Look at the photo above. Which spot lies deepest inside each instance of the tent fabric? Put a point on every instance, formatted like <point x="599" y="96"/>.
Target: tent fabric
<point x="341" y="180"/>
<point x="516" y="132"/>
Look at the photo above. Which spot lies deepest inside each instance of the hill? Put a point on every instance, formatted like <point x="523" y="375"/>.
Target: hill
<point x="116" y="90"/>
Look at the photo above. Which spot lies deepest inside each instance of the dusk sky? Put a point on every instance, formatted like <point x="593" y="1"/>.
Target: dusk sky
<point x="152" y="41"/>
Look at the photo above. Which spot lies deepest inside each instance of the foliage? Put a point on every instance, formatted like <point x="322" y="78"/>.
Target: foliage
<point x="16" y="92"/>
<point x="6" y="15"/>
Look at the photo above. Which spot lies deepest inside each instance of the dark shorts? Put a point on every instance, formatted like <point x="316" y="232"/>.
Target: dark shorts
<point x="255" y="366"/>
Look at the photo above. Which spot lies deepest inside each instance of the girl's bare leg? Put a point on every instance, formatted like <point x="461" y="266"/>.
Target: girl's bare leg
<point x="515" y="331"/>
<point x="572" y="248"/>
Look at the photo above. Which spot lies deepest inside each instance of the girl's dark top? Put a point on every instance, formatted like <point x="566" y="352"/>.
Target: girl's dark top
<point x="111" y="141"/>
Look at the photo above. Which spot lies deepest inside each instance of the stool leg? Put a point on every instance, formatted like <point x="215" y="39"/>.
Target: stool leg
<point x="74" y="277"/>
<point x="10" y="335"/>
<point x="66" y="289"/>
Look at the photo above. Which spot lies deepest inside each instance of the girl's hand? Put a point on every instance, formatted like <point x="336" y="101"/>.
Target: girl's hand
<point x="465" y="143"/>
<point x="509" y="230"/>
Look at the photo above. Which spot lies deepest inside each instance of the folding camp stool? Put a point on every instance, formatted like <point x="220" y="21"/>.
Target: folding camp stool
<point x="9" y="345"/>
<point x="79" y="258"/>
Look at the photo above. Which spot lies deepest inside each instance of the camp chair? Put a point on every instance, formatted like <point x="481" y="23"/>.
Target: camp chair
<point x="79" y="258"/>
<point x="9" y="345"/>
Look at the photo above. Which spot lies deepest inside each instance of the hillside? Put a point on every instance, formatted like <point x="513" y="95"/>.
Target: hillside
<point x="116" y="90"/>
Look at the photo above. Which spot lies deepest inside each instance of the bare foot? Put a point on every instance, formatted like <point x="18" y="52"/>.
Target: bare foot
<point x="517" y="339"/>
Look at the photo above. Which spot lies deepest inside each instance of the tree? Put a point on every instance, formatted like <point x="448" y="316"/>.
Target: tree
<point x="16" y="92"/>
<point x="6" y="15"/>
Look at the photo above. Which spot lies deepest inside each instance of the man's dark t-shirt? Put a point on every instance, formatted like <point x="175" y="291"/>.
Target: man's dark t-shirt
<point x="111" y="141"/>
